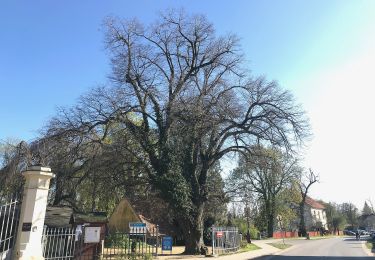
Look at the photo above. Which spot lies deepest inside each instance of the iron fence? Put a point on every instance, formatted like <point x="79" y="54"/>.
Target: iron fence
<point x="225" y="239"/>
<point x="59" y="243"/>
<point x="135" y="244"/>
<point x="9" y="218"/>
<point x="69" y="243"/>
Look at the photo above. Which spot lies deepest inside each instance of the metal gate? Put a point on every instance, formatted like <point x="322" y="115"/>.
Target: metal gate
<point x="9" y="218"/>
<point x="69" y="243"/>
<point x="131" y="245"/>
<point x="225" y="239"/>
<point x="59" y="243"/>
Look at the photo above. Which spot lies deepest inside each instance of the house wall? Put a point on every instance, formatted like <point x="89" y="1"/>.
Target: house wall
<point x="120" y="218"/>
<point x="312" y="216"/>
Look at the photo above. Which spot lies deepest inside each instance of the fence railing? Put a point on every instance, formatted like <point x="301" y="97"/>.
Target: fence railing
<point x="9" y="218"/>
<point x="137" y="243"/>
<point x="225" y="239"/>
<point x="59" y="243"/>
<point x="67" y="243"/>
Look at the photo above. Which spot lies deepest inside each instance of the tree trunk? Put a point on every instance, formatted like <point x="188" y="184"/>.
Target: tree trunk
<point x="270" y="214"/>
<point x="270" y="223"/>
<point x="194" y="241"/>
<point x="271" y="218"/>
<point x="192" y="228"/>
<point x="58" y="191"/>
<point x="302" y="225"/>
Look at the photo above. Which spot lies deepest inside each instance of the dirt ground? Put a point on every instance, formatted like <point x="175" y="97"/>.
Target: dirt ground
<point x="176" y="253"/>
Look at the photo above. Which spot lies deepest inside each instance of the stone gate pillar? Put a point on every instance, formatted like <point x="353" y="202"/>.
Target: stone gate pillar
<point x="33" y="211"/>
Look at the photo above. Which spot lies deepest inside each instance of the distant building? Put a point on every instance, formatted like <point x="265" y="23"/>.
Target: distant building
<point x="125" y="213"/>
<point x="65" y="217"/>
<point x="315" y="215"/>
<point x="152" y="212"/>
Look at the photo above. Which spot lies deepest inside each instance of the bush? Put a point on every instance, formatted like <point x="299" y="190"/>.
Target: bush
<point x="253" y="232"/>
<point x="117" y="240"/>
<point x="242" y="227"/>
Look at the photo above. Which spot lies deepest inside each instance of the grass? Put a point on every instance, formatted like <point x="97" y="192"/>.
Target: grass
<point x="321" y="237"/>
<point x="370" y="244"/>
<point x="244" y="248"/>
<point x="280" y="245"/>
<point x="248" y="247"/>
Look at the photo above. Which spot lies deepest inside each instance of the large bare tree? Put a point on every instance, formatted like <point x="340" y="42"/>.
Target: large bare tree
<point x="182" y="95"/>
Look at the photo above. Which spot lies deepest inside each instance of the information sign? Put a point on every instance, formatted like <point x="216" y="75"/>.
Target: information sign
<point x="26" y="227"/>
<point x="167" y="244"/>
<point x="92" y="235"/>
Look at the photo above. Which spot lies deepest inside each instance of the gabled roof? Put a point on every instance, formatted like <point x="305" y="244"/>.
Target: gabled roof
<point x="313" y="203"/>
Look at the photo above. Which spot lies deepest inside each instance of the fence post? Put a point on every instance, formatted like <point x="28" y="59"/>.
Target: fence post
<point x="157" y="239"/>
<point x="213" y="241"/>
<point x="33" y="211"/>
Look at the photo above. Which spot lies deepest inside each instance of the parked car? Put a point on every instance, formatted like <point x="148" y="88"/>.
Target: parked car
<point x="349" y="233"/>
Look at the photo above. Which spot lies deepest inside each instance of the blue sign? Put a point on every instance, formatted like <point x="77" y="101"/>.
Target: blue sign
<point x="137" y="224"/>
<point x="166" y="243"/>
<point x="137" y="228"/>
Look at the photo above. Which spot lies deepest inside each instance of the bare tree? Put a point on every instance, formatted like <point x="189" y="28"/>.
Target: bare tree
<point x="183" y="97"/>
<point x="306" y="181"/>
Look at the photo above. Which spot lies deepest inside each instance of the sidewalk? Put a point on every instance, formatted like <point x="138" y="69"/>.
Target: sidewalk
<point x="265" y="249"/>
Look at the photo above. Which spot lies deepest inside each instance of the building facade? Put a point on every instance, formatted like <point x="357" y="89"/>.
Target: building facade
<point x="315" y="215"/>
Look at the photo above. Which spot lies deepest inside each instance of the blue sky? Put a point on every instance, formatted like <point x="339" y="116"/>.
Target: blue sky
<point x="51" y="52"/>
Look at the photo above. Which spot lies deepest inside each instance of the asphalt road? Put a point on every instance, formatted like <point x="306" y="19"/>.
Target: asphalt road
<point x="345" y="248"/>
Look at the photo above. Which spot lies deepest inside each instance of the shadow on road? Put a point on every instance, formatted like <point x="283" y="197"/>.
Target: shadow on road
<point x="281" y="257"/>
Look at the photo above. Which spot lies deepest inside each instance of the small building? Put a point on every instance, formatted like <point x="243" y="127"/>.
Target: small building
<point x="123" y="214"/>
<point x="315" y="215"/>
<point x="65" y="217"/>
<point x="69" y="230"/>
<point x="58" y="217"/>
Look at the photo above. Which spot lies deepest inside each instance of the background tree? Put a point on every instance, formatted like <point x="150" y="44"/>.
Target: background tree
<point x="287" y="207"/>
<point x="350" y="212"/>
<point x="267" y="172"/>
<point x="367" y="210"/>
<point x="335" y="220"/>
<point x="304" y="184"/>
<point x="15" y="156"/>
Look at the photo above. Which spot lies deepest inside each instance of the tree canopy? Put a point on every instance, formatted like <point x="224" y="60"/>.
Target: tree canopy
<point x="179" y="99"/>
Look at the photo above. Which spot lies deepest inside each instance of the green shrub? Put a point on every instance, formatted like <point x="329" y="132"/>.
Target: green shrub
<point x="117" y="240"/>
<point x="242" y="227"/>
<point x="147" y="257"/>
<point x="253" y="232"/>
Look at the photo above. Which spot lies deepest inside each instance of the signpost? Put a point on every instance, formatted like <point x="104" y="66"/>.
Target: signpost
<point x="137" y="228"/>
<point x="92" y="235"/>
<point x="166" y="244"/>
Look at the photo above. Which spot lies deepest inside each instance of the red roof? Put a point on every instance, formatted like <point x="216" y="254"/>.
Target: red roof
<point x="313" y="203"/>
